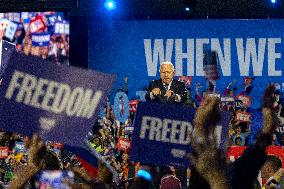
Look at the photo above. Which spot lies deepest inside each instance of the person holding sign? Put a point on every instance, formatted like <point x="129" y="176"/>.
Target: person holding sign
<point x="239" y="138"/>
<point x="167" y="89"/>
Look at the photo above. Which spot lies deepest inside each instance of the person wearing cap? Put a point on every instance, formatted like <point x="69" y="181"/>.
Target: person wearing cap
<point x="167" y="89"/>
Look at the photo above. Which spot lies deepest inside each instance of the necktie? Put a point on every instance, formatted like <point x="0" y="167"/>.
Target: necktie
<point x="166" y="86"/>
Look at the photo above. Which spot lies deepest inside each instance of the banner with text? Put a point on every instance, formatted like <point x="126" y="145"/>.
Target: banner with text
<point x="245" y="48"/>
<point x="59" y="102"/>
<point x="162" y="133"/>
<point x="40" y="39"/>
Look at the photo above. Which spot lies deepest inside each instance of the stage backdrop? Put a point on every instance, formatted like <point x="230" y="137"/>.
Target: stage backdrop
<point x="136" y="48"/>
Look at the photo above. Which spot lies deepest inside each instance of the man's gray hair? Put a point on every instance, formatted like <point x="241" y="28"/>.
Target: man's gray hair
<point x="167" y="63"/>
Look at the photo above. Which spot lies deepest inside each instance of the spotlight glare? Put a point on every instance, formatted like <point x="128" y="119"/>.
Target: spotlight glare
<point x="273" y="1"/>
<point x="187" y="9"/>
<point x="110" y="5"/>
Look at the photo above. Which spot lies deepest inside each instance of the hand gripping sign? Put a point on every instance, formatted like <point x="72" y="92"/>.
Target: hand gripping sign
<point x="59" y="102"/>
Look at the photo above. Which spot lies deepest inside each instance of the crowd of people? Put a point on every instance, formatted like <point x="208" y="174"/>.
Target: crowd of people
<point x="42" y="34"/>
<point x="108" y="131"/>
<point x="25" y="158"/>
<point x="21" y="157"/>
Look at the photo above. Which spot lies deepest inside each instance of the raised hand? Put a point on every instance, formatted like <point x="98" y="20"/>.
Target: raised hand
<point x="37" y="149"/>
<point x="208" y="160"/>
<point x="270" y="120"/>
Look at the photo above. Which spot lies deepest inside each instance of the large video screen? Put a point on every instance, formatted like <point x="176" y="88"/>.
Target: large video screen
<point x="43" y="34"/>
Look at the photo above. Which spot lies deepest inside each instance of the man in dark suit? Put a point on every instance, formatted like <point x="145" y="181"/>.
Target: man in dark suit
<point x="167" y="89"/>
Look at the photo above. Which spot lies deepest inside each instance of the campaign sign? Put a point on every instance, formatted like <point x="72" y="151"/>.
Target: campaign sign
<point x="4" y="152"/>
<point x="128" y="129"/>
<point x="214" y="95"/>
<point x="51" y="19"/>
<point x="11" y="30"/>
<point x="59" y="102"/>
<point x="210" y="65"/>
<point x="239" y="104"/>
<point x="245" y="99"/>
<point x="243" y="116"/>
<point x="133" y="105"/>
<point x="227" y="99"/>
<point x="227" y="102"/>
<point x="37" y="24"/>
<point x="121" y="107"/>
<point x="162" y="133"/>
<point x="15" y="17"/>
<point x="62" y="27"/>
<point x="40" y="39"/>
<point x="19" y="147"/>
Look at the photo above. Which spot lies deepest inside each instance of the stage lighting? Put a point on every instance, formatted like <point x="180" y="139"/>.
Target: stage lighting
<point x="110" y="5"/>
<point x="273" y="1"/>
<point x="187" y="9"/>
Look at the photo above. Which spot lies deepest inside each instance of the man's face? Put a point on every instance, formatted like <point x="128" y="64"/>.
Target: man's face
<point x="239" y="130"/>
<point x="167" y="73"/>
<point x="96" y="141"/>
<point x="239" y="142"/>
<point x="44" y="51"/>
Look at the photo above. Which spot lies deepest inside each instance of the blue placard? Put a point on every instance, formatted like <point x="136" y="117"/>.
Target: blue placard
<point x="121" y="107"/>
<point x="51" y="19"/>
<point x="162" y="133"/>
<point x="61" y="27"/>
<point x="40" y="39"/>
<point x="59" y="102"/>
<point x="244" y="47"/>
<point x="19" y="147"/>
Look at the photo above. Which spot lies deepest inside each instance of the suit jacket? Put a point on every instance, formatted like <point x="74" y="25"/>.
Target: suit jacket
<point x="177" y="87"/>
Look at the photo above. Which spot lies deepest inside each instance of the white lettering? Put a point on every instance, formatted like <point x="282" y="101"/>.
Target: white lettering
<point x="52" y="96"/>
<point x="272" y="55"/>
<point x="189" y="55"/>
<point x="224" y="59"/>
<point x="251" y="54"/>
<point x="152" y="57"/>
<point x="200" y="55"/>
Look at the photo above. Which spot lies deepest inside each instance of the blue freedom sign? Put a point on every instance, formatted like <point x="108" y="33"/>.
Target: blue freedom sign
<point x="162" y="133"/>
<point x="59" y="102"/>
<point x="245" y="48"/>
<point x="40" y="39"/>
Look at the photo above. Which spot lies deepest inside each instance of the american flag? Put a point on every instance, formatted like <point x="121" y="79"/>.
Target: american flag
<point x="210" y="65"/>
